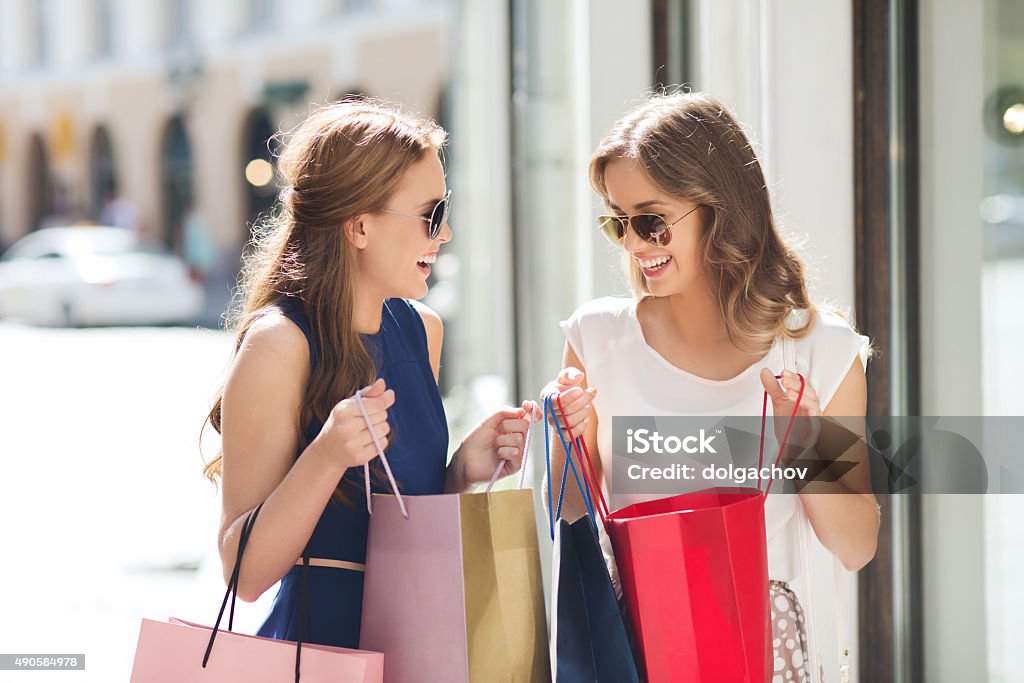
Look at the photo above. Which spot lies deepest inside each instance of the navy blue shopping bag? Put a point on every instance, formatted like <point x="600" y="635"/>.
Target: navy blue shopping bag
<point x="589" y="643"/>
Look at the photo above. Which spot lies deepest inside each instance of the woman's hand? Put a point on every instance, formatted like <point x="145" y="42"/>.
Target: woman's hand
<point x="576" y="400"/>
<point x="345" y="439"/>
<point x="806" y="426"/>
<point x="499" y="438"/>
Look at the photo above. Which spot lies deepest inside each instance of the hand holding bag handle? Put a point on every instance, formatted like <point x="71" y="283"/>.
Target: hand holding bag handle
<point x="522" y="467"/>
<point x="391" y="476"/>
<point x="588" y="469"/>
<point x="814" y="664"/>
<point x="383" y="459"/>
<point x="584" y="487"/>
<point x="304" y="611"/>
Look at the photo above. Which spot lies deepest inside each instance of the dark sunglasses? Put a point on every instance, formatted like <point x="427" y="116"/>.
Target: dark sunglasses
<point x="437" y="218"/>
<point x="649" y="227"/>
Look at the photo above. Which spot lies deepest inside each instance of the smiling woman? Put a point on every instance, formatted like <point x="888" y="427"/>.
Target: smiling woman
<point x="328" y="313"/>
<point x="720" y="310"/>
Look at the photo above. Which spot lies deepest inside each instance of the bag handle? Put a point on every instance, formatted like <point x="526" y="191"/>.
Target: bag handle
<point x="582" y="452"/>
<point x="844" y="651"/>
<point x="556" y="513"/>
<point x="785" y="439"/>
<point x="383" y="459"/>
<point x="232" y="589"/>
<point x="789" y="361"/>
<point x="232" y="593"/>
<point x="522" y="467"/>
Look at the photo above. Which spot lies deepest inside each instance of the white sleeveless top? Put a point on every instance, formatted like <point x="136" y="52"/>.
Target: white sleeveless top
<point x="633" y="379"/>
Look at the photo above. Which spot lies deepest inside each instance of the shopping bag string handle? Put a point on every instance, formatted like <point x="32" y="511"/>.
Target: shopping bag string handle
<point x="522" y="467"/>
<point x="232" y="593"/>
<point x="556" y="512"/>
<point x="243" y="539"/>
<point x="785" y="439"/>
<point x="232" y="590"/>
<point x="581" y="445"/>
<point x="583" y="453"/>
<point x="383" y="459"/>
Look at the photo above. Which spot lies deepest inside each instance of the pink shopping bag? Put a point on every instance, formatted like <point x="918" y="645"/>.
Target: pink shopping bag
<point x="172" y="652"/>
<point x="454" y="590"/>
<point x="179" y="651"/>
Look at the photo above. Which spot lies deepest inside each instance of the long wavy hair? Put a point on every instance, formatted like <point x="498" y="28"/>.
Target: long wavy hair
<point x="344" y="160"/>
<point x="691" y="147"/>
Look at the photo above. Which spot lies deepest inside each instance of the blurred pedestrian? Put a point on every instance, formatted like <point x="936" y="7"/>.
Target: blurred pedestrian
<point x="327" y="312"/>
<point x="121" y="212"/>
<point x="200" y="251"/>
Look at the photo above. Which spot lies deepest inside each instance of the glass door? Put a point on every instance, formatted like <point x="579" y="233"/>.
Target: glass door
<point x="972" y="321"/>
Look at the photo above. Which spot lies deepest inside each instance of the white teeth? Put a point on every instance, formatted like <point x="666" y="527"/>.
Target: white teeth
<point x="429" y="258"/>
<point x="651" y="264"/>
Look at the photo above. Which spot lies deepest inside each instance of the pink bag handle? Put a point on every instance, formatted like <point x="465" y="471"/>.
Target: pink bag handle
<point x="383" y="459"/>
<point x="522" y="467"/>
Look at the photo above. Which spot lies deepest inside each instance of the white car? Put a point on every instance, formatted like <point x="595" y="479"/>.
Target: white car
<point x="93" y="275"/>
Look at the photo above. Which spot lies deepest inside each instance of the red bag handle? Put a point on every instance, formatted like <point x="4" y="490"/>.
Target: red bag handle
<point x="591" y="475"/>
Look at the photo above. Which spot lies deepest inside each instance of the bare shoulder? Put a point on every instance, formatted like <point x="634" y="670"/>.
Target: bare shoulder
<point x="271" y="367"/>
<point x="435" y="333"/>
<point x="431" y="320"/>
<point x="274" y="334"/>
<point x="261" y="408"/>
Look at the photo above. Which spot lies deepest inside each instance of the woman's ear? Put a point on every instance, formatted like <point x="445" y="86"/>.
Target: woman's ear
<point x="355" y="232"/>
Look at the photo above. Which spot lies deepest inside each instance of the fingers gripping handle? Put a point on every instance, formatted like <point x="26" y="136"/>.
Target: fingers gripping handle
<point x="383" y="459"/>
<point x="587" y="466"/>
<point x="522" y="467"/>
<point x="789" y="428"/>
<point x="584" y="485"/>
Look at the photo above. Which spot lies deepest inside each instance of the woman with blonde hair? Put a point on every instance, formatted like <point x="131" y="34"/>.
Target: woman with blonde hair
<point x="718" y="296"/>
<point x="329" y="311"/>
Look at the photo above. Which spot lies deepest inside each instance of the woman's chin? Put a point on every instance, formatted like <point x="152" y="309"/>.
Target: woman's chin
<point x="662" y="286"/>
<point x="417" y="291"/>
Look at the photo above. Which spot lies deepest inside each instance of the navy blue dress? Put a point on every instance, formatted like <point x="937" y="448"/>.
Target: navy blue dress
<point x="417" y="455"/>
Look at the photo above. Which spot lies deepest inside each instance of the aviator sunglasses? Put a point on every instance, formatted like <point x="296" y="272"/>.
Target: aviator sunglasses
<point x="649" y="227"/>
<point x="437" y="218"/>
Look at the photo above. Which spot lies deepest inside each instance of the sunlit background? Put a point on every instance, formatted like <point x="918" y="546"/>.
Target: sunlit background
<point x="158" y="118"/>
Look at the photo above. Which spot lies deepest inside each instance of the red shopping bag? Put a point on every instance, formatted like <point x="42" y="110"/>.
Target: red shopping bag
<point x="694" y="575"/>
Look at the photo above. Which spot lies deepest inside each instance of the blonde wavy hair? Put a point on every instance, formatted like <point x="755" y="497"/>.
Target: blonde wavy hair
<point x="690" y="146"/>
<point x="344" y="160"/>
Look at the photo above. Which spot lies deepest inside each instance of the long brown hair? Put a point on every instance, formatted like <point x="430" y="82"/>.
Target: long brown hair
<point x="690" y="146"/>
<point x="344" y="160"/>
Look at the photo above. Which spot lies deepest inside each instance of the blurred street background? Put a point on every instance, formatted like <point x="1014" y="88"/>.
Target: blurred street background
<point x="104" y="517"/>
<point x="157" y="120"/>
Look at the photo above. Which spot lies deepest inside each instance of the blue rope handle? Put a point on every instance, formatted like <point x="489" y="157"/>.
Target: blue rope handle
<point x="582" y="485"/>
